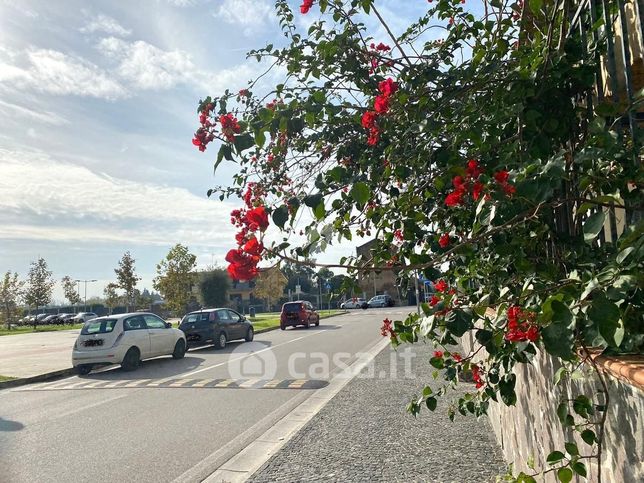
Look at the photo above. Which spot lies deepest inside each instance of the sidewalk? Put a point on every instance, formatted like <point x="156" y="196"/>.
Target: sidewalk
<point x="29" y="355"/>
<point x="365" y="434"/>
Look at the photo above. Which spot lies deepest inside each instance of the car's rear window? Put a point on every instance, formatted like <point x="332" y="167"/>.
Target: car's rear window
<point x="102" y="326"/>
<point x="294" y="307"/>
<point x="198" y="317"/>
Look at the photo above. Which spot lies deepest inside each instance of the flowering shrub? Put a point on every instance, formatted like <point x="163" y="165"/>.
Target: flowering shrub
<point x="471" y="165"/>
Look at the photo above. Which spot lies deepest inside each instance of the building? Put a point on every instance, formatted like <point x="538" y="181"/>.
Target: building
<point x="376" y="282"/>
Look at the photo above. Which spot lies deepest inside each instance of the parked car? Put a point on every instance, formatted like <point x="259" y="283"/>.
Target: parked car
<point x="125" y="339"/>
<point x="354" y="303"/>
<point x="215" y="326"/>
<point x="297" y="313"/>
<point x="65" y="319"/>
<point x="381" y="301"/>
<point x="82" y="317"/>
<point x="50" y="319"/>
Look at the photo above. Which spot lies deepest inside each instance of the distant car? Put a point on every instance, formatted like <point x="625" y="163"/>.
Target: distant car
<point x="354" y="303"/>
<point x="297" y="313"/>
<point x="65" y="319"/>
<point x="215" y="326"/>
<point x="50" y="319"/>
<point x="82" y="317"/>
<point x="381" y="301"/>
<point x="125" y="339"/>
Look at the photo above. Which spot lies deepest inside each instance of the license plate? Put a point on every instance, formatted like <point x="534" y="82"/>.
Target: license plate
<point x="93" y="342"/>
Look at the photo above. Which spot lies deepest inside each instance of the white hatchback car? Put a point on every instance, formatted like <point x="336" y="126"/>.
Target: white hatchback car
<point x="125" y="339"/>
<point x="354" y="303"/>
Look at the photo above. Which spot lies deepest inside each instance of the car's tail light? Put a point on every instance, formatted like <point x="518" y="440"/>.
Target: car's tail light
<point x="118" y="339"/>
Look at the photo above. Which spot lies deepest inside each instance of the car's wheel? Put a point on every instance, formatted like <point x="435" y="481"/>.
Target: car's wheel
<point x="307" y="324"/>
<point x="84" y="369"/>
<point x="250" y="335"/>
<point x="317" y="322"/>
<point x="179" y="349"/>
<point x="131" y="360"/>
<point x="220" y="343"/>
<point x="282" y="326"/>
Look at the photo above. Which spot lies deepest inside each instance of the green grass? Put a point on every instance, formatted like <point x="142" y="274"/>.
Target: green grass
<point x="6" y="378"/>
<point x="29" y="329"/>
<point x="265" y="321"/>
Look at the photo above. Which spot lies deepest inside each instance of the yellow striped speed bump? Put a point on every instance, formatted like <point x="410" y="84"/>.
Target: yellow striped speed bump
<point x="182" y="383"/>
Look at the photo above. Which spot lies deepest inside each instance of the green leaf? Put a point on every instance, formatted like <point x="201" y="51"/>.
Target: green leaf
<point x="243" y="142"/>
<point x="523" y="478"/>
<point x="224" y="153"/>
<point x="562" y="412"/>
<point x="312" y="200"/>
<point x="555" y="457"/>
<point x="558" y="337"/>
<point x="593" y="226"/>
<point x="431" y="403"/>
<point x="280" y="216"/>
<point x="260" y="137"/>
<point x="572" y="449"/>
<point x="319" y="211"/>
<point x="588" y="435"/>
<point x="564" y="475"/>
<point x="624" y="254"/>
<point x="579" y="468"/>
<point x="360" y="193"/>
<point x="606" y="315"/>
<point x="559" y="375"/>
<point x="458" y="322"/>
<point x="506" y="388"/>
<point x="535" y="5"/>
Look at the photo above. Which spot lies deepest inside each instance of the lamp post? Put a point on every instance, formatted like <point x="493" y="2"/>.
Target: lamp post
<point x="85" y="282"/>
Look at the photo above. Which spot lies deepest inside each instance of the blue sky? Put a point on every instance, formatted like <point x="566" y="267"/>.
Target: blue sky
<point x="97" y="111"/>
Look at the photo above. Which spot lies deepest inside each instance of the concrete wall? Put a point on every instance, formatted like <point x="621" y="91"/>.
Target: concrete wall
<point x="532" y="429"/>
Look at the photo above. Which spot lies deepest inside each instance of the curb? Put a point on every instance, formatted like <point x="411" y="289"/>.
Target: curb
<point x="22" y="381"/>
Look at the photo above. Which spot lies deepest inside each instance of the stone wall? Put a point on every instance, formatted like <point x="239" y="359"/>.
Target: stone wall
<point x="532" y="428"/>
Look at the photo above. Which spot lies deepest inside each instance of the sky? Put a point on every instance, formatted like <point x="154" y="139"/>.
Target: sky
<point x="97" y="110"/>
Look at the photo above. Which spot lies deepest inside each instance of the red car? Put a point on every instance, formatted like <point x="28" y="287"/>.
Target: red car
<point x="299" y="312"/>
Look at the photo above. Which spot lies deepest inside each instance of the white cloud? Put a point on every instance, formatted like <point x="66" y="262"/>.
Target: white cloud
<point x="251" y="15"/>
<point x="42" y="198"/>
<point x="54" y="72"/>
<point x="105" y="24"/>
<point x="46" y="117"/>
<point x="145" y="66"/>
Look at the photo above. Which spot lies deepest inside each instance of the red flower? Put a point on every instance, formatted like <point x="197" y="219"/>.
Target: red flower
<point x="509" y="189"/>
<point x="476" y="190"/>
<point x="243" y="92"/>
<point x="444" y="240"/>
<point x="387" y="329"/>
<point x="306" y="6"/>
<point x="387" y="87"/>
<point x="441" y="286"/>
<point x="473" y="170"/>
<point x="374" y="136"/>
<point x="434" y="300"/>
<point x="398" y="235"/>
<point x="457" y="357"/>
<point x="382" y="47"/>
<point x="242" y="266"/>
<point x="438" y="354"/>
<point x="254" y="247"/>
<point x="455" y="198"/>
<point x="381" y="104"/>
<point x="229" y="126"/>
<point x="501" y="176"/>
<point x="476" y="376"/>
<point x="369" y="119"/>
<point x="457" y="182"/>
<point x="257" y="219"/>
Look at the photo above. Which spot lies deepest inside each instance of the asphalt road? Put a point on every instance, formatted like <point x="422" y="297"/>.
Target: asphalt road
<point x="66" y="431"/>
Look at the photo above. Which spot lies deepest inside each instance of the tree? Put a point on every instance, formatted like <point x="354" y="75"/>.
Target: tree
<point x="270" y="285"/>
<point x="472" y="163"/>
<point x="127" y="278"/>
<point x="69" y="289"/>
<point x="112" y="298"/>
<point x="11" y="292"/>
<point x="176" y="277"/>
<point x="213" y="287"/>
<point x="40" y="285"/>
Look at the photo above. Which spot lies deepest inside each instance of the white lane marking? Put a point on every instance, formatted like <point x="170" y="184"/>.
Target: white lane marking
<point x="105" y="400"/>
<point x="258" y="352"/>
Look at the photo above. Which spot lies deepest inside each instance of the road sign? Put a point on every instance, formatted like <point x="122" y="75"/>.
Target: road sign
<point x="328" y="286"/>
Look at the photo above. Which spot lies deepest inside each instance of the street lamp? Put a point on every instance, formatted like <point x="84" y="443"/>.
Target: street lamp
<point x="85" y="282"/>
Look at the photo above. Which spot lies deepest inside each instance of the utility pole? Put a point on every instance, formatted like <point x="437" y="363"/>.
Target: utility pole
<point x="86" y="282"/>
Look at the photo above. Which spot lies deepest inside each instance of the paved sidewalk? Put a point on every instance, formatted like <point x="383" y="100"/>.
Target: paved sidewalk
<point x="29" y="355"/>
<point x="365" y="434"/>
